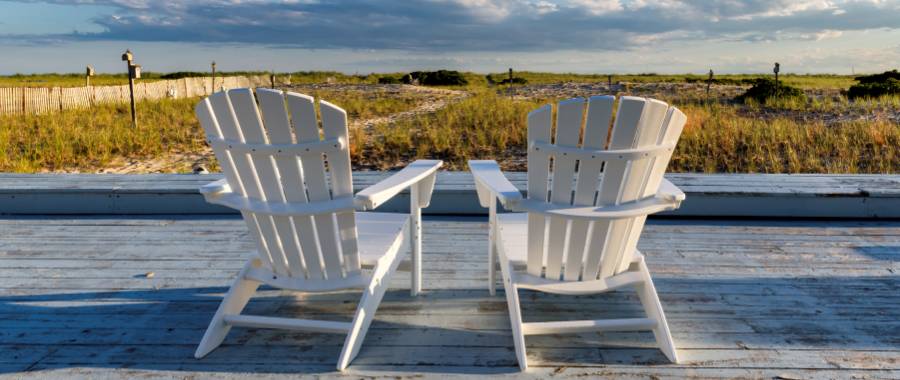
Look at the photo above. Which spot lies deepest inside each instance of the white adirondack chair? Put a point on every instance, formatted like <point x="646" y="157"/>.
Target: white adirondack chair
<point x="585" y="212"/>
<point x="295" y="192"/>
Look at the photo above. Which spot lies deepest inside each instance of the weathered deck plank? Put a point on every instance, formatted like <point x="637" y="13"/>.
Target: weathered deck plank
<point x="759" y="195"/>
<point x="796" y="299"/>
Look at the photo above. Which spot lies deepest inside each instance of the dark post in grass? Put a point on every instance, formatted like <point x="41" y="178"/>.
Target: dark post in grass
<point x="609" y="82"/>
<point x="272" y="79"/>
<point x="134" y="72"/>
<point x="776" y="70"/>
<point x="709" y="83"/>
<point x="88" y="73"/>
<point x="509" y="88"/>
<point x="213" y="64"/>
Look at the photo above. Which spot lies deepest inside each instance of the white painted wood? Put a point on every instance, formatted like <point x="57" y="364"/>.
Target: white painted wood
<point x="574" y="327"/>
<point x="596" y="130"/>
<point x="653" y="308"/>
<point x="597" y="155"/>
<point x="280" y="148"/>
<point x="591" y="213"/>
<point x="262" y="322"/>
<point x="278" y="125"/>
<point x="539" y="122"/>
<point x="569" y="116"/>
<point x="607" y="237"/>
<point x="239" y="170"/>
<point x="235" y="300"/>
<point x="513" y="305"/>
<point x="306" y="228"/>
<point x="307" y="130"/>
<point x="334" y="124"/>
<point x="371" y="298"/>
<point x="282" y="209"/>
<point x="415" y="238"/>
<point x="492" y="246"/>
<point x="251" y="128"/>
<point x="420" y="170"/>
<point x="492" y="186"/>
<point x="303" y="117"/>
<point x="627" y="169"/>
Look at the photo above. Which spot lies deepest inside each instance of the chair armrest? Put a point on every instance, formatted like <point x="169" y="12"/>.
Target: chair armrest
<point x="216" y="188"/>
<point x="642" y="207"/>
<point x="668" y="190"/>
<point x="490" y="182"/>
<point x="414" y="173"/>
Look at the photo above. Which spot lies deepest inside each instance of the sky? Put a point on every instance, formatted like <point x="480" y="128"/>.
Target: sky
<point x="363" y="36"/>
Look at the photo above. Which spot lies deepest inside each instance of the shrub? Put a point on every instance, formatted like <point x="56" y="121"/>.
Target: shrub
<point x="388" y="80"/>
<point x="515" y="80"/>
<point x="879" y="78"/>
<point x="873" y="86"/>
<point x="184" y="74"/>
<point x="764" y="89"/>
<point x="436" y="78"/>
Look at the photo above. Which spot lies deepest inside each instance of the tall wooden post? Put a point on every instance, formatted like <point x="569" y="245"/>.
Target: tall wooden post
<point x="272" y="78"/>
<point x="213" y="89"/>
<point x="609" y="81"/>
<point x="709" y="83"/>
<point x="776" y="70"/>
<point x="88" y="73"/>
<point x="509" y="86"/>
<point x="134" y="72"/>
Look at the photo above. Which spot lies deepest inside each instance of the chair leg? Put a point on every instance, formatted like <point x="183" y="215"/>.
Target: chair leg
<point x="492" y="248"/>
<point x="365" y="312"/>
<point x="492" y="266"/>
<point x="515" y="321"/>
<point x="235" y="301"/>
<point x="654" y="310"/>
<point x="415" y="235"/>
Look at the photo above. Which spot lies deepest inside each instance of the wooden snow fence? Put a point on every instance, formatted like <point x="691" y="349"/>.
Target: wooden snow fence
<point x="37" y="100"/>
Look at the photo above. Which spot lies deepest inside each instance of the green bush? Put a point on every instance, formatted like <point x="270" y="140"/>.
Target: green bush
<point x="879" y="78"/>
<point x="436" y="78"/>
<point x="388" y="80"/>
<point x="515" y="80"/>
<point x="764" y="89"/>
<point x="873" y="86"/>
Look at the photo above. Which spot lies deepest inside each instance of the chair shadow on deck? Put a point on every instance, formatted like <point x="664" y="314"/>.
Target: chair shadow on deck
<point x="448" y="330"/>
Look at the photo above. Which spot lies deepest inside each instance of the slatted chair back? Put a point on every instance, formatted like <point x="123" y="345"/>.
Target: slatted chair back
<point x="587" y="164"/>
<point x="273" y="153"/>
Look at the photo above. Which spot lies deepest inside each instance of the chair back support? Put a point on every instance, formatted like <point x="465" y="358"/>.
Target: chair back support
<point x="572" y="170"/>
<point x="271" y="149"/>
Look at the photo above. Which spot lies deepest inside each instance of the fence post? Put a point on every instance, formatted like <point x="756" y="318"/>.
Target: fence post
<point x="134" y="72"/>
<point x="776" y="70"/>
<point x="509" y="87"/>
<point x="213" y="88"/>
<point x="709" y="83"/>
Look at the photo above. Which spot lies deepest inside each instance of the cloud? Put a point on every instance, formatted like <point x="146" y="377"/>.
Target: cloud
<point x="481" y="25"/>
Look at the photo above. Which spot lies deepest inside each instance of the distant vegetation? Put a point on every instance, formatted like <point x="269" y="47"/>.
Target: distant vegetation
<point x="435" y="78"/>
<point x="811" y="124"/>
<point x="765" y="90"/>
<point x="872" y="86"/>
<point x="505" y="81"/>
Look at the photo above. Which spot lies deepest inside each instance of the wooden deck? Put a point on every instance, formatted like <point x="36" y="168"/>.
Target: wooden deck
<point x="753" y="299"/>
<point x="727" y="195"/>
